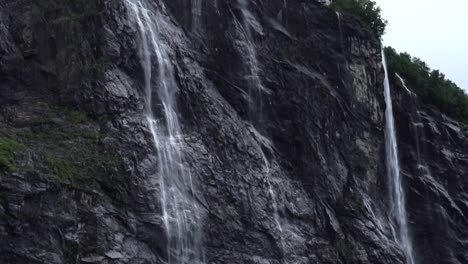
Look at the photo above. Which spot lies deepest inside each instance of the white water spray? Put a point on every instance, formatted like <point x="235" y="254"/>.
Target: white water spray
<point x="181" y="214"/>
<point x="398" y="210"/>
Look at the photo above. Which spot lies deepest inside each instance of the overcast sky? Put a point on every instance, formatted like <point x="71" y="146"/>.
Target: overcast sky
<point x="435" y="31"/>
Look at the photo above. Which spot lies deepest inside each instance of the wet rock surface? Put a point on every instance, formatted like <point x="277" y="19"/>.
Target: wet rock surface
<point x="84" y="185"/>
<point x="433" y="151"/>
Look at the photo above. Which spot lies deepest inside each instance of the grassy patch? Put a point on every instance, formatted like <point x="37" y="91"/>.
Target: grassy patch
<point x="81" y="164"/>
<point x="7" y="159"/>
<point x="67" y="12"/>
<point x="75" y="117"/>
<point x="70" y="146"/>
<point x="63" y="170"/>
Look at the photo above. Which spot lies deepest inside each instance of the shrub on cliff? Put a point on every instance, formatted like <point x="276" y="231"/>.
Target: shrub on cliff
<point x="7" y="148"/>
<point x="366" y="10"/>
<point x="431" y="85"/>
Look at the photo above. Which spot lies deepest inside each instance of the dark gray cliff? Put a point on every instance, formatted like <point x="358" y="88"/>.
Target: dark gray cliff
<point x="433" y="152"/>
<point x="78" y="185"/>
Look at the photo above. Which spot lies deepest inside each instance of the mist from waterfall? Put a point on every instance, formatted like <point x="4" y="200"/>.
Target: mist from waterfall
<point x="397" y="196"/>
<point x="181" y="214"/>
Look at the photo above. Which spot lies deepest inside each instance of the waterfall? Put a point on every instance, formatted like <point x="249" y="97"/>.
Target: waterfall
<point x="340" y="27"/>
<point x="196" y="14"/>
<point x="398" y="209"/>
<point x="181" y="215"/>
<point x="256" y="91"/>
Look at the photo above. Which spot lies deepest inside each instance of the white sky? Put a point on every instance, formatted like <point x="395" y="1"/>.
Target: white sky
<point x="436" y="31"/>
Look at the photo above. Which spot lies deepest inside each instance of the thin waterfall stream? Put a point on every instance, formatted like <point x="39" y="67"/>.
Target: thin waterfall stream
<point x="181" y="214"/>
<point x="398" y="208"/>
<point x="256" y="91"/>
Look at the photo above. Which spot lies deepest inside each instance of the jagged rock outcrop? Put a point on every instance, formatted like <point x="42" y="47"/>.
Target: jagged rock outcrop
<point x="83" y="188"/>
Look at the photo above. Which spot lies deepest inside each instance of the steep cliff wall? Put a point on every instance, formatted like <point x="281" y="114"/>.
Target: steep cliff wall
<point x="84" y="185"/>
<point x="434" y="158"/>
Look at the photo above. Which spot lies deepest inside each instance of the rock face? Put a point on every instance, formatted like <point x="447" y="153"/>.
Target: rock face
<point x="434" y="160"/>
<point x="78" y="182"/>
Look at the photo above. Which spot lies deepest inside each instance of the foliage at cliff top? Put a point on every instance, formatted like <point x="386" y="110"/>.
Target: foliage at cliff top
<point x="366" y="10"/>
<point x="430" y="85"/>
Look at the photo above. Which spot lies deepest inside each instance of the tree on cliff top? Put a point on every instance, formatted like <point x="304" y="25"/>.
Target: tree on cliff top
<point x="366" y="10"/>
<point x="431" y="85"/>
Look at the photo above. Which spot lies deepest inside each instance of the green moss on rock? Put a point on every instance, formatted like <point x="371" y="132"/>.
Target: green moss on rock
<point x="7" y="159"/>
<point x="69" y="143"/>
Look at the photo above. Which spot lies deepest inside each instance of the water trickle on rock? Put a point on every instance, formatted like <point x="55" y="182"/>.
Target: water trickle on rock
<point x="256" y="92"/>
<point x="398" y="207"/>
<point x="181" y="214"/>
<point x="256" y="89"/>
<point x="196" y="15"/>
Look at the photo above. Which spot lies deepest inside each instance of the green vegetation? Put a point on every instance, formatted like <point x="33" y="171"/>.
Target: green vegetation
<point x="366" y="10"/>
<point x="75" y="117"/>
<point x="79" y="164"/>
<point x="7" y="148"/>
<point x="430" y="85"/>
<point x="70" y="147"/>
<point x="72" y="12"/>
<point x="64" y="170"/>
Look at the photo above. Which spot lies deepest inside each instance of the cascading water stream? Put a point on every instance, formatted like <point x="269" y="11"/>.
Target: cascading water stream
<point x="340" y="27"/>
<point x="196" y="14"/>
<point x="181" y="214"/>
<point x="419" y="137"/>
<point x="256" y="92"/>
<point x="255" y="84"/>
<point x="397" y="195"/>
